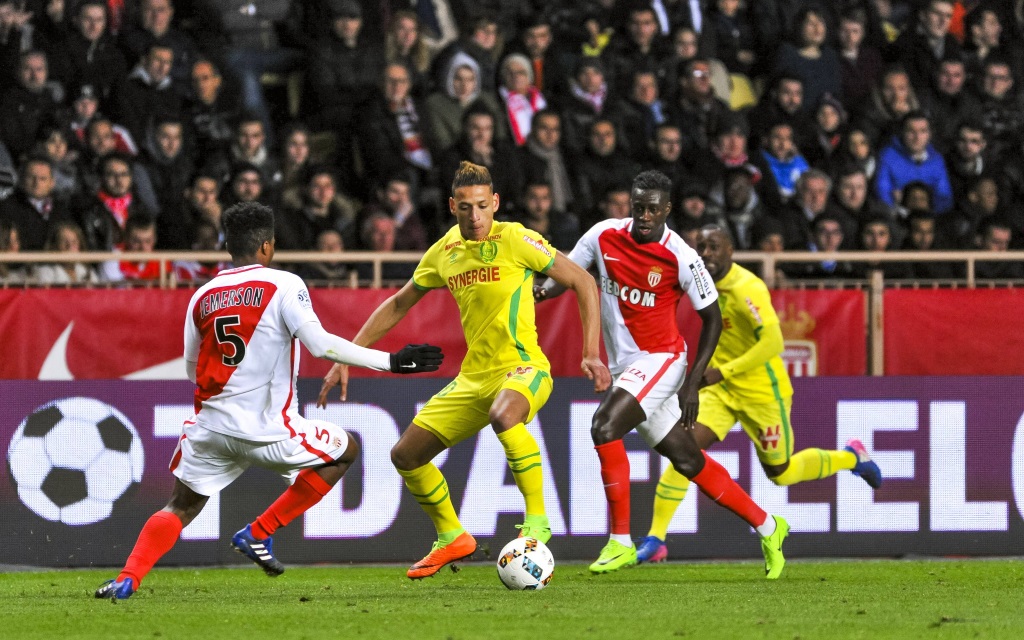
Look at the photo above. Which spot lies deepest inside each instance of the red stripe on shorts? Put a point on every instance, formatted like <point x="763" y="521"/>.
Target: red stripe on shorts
<point x="650" y="385"/>
<point x="176" y="458"/>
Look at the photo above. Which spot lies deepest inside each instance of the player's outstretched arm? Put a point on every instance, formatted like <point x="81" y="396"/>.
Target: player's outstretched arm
<point x="570" y="275"/>
<point x="711" y="329"/>
<point x="413" y="358"/>
<point x="387" y="315"/>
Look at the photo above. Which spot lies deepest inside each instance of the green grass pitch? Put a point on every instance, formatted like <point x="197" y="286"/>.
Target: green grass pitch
<point x="814" y="599"/>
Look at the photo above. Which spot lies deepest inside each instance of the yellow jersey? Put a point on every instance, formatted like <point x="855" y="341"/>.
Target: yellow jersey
<point x="492" y="282"/>
<point x="747" y="311"/>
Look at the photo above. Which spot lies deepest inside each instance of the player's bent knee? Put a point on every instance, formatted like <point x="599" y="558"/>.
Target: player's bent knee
<point x="602" y="429"/>
<point x="403" y="459"/>
<point x="351" y="451"/>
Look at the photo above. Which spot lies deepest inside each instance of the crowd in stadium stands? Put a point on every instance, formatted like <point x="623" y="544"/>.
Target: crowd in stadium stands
<point x="846" y="124"/>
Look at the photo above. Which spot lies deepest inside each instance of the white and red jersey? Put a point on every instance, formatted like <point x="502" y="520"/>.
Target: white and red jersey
<point x="240" y="329"/>
<point x="641" y="285"/>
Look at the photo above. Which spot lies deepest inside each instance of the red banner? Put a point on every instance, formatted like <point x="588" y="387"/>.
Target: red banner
<point x="60" y="334"/>
<point x="954" y="332"/>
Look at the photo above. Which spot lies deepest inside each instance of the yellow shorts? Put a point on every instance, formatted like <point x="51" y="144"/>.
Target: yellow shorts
<point x="766" y="424"/>
<point x="463" y="407"/>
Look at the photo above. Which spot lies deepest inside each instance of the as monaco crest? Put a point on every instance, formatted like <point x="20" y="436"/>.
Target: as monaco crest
<point x="654" y="277"/>
<point x="800" y="353"/>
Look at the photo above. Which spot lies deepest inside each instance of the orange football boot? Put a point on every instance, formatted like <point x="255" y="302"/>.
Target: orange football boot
<point x="462" y="547"/>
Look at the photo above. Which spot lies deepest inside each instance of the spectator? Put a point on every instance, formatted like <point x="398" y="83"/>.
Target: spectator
<point x="861" y="63"/>
<point x="140" y="234"/>
<point x="642" y="113"/>
<point x="53" y="144"/>
<point x="379" y="233"/>
<point x="809" y="58"/>
<point x="247" y="185"/>
<point x="768" y="236"/>
<point x="101" y="137"/>
<point x="396" y="200"/>
<point x="967" y="160"/>
<point x="405" y="44"/>
<point x="446" y="108"/>
<point x="696" y="109"/>
<point x="829" y="125"/>
<point x="170" y="165"/>
<point x="857" y="149"/>
<point x="784" y="161"/>
<point x="640" y="48"/>
<point x="614" y="203"/>
<point x="912" y="157"/>
<point x="549" y="72"/>
<point x="695" y="207"/>
<point x="478" y="145"/>
<point x="88" y="54"/>
<point x="328" y="242"/>
<point x="812" y="197"/>
<point x="392" y="136"/>
<point x="666" y="157"/>
<point x="202" y="201"/>
<point x="981" y="203"/>
<point x="25" y="107"/>
<point x="251" y="148"/>
<point x="8" y="176"/>
<point x="949" y="102"/>
<point x="876" y="235"/>
<point x="154" y="25"/>
<point x="852" y="204"/>
<point x="922" y="238"/>
<point x="520" y="97"/>
<point x="148" y="93"/>
<point x="295" y="164"/>
<point x="1002" y="114"/>
<point x="32" y="208"/>
<point x="983" y="32"/>
<point x="260" y="39"/>
<point x="207" y="238"/>
<point x="742" y="209"/>
<point x="734" y="36"/>
<point x="84" y="112"/>
<point x="783" y="103"/>
<point x="925" y="42"/>
<point x="826" y="237"/>
<point x="560" y="228"/>
<point x="322" y="209"/>
<point x="482" y="41"/>
<point x="685" y="47"/>
<point x="65" y="237"/>
<point x="10" y="272"/>
<point x="542" y="160"/>
<point x="891" y="101"/>
<point x="344" y="68"/>
<point x="437" y="25"/>
<point x="212" y="111"/>
<point x="587" y="101"/>
<point x="105" y="219"/>
<point x="996" y="235"/>
<point x="601" y="166"/>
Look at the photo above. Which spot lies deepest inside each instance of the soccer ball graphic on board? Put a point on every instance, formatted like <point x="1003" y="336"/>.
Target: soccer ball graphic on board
<point x="71" y="459"/>
<point x="526" y="564"/>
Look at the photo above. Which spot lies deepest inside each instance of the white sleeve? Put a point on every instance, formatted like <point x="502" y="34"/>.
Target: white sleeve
<point x="296" y="306"/>
<point x="192" y="340"/>
<point x="585" y="251"/>
<point x="327" y="345"/>
<point x="695" y="280"/>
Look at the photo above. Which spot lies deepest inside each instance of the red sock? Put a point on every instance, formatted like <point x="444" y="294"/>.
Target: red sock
<point x="156" y="538"/>
<point x="307" y="490"/>
<point x="716" y="484"/>
<point x="615" y="474"/>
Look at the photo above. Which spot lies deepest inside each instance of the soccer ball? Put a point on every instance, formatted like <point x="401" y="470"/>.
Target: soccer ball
<point x="526" y="564"/>
<point x="71" y="459"/>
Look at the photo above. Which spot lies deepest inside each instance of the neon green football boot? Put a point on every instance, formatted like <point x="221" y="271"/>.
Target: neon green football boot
<point x="535" y="526"/>
<point x="614" y="556"/>
<point x="771" y="547"/>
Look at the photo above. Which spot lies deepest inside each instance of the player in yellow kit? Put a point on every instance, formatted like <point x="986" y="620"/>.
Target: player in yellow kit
<point x="505" y="378"/>
<point x="747" y="382"/>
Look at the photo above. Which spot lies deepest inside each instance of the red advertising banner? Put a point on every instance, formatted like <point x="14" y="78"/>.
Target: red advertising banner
<point x="954" y="332"/>
<point x="66" y="334"/>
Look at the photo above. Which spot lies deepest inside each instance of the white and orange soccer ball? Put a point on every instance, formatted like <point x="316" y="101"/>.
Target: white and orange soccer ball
<point x="526" y="564"/>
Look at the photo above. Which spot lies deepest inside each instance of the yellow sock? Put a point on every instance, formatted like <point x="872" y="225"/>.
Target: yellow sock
<point x="523" y="457"/>
<point x="815" y="464"/>
<point x="430" y="489"/>
<point x="670" y="492"/>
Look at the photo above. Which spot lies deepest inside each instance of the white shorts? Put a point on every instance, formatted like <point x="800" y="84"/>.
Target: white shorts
<point x="654" y="380"/>
<point x="207" y="462"/>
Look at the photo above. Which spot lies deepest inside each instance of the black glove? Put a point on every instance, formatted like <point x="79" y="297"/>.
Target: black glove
<point x="417" y="358"/>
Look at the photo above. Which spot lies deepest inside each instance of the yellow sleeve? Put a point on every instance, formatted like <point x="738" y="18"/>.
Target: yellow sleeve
<point x="764" y="322"/>
<point x="426" y="275"/>
<point x="530" y="249"/>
